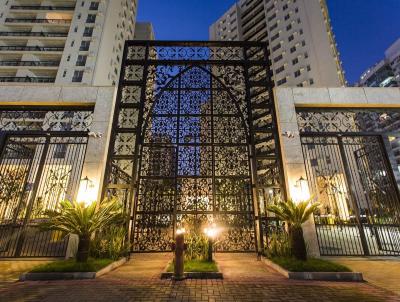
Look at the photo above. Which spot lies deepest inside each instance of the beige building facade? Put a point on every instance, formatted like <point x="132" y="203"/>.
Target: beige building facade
<point x="302" y="46"/>
<point x="64" y="42"/>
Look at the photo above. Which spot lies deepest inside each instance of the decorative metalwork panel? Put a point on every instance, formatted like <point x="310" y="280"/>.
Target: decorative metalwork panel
<point x="45" y="120"/>
<point x="348" y="120"/>
<point x="194" y="132"/>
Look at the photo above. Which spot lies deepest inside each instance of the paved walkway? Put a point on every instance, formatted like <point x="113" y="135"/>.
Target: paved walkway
<point x="10" y="270"/>
<point x="246" y="280"/>
<point x="383" y="273"/>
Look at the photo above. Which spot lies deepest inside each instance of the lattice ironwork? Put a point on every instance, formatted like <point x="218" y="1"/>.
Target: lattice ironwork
<point x="45" y="120"/>
<point x="348" y="120"/>
<point x="194" y="138"/>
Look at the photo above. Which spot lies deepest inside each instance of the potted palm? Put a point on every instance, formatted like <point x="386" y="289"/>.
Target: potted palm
<point x="295" y="215"/>
<point x="83" y="220"/>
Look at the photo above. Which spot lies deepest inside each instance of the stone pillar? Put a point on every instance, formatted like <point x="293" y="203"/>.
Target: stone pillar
<point x="293" y="161"/>
<point x="97" y="148"/>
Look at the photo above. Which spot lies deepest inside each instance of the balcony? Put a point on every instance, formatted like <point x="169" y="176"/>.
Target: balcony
<point x="28" y="79"/>
<point x="31" y="63"/>
<point x="39" y="7"/>
<point x="43" y="21"/>
<point x="32" y="34"/>
<point x="30" y="48"/>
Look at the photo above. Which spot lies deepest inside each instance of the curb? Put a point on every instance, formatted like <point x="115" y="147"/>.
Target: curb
<point x="316" y="276"/>
<point x="71" y="275"/>
<point x="195" y="275"/>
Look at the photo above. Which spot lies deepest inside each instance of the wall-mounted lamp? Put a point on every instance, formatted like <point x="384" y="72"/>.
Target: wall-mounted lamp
<point x="87" y="193"/>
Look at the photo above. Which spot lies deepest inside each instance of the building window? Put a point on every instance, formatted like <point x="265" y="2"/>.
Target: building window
<point x="278" y="58"/>
<point x="94" y="6"/>
<point x="293" y="49"/>
<point x="291" y="38"/>
<point x="295" y="61"/>
<point x="280" y="69"/>
<point x="311" y="81"/>
<point x="81" y="61"/>
<point x="308" y="68"/>
<point x="64" y="73"/>
<point x="287" y="17"/>
<point x="78" y="75"/>
<point x="88" y="32"/>
<point x="91" y="18"/>
<point x="297" y="73"/>
<point x="289" y="27"/>
<point x="275" y="37"/>
<point x="276" y="47"/>
<point x="281" y="82"/>
<point x="84" y="46"/>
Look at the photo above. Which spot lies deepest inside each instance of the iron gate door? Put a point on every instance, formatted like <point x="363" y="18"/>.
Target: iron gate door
<point x="352" y="179"/>
<point x="36" y="172"/>
<point x="194" y="139"/>
<point x="382" y="196"/>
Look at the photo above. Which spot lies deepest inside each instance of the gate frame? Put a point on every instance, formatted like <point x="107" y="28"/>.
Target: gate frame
<point x="131" y="188"/>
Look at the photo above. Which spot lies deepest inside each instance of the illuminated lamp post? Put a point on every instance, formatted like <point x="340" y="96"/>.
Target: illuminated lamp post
<point x="211" y="233"/>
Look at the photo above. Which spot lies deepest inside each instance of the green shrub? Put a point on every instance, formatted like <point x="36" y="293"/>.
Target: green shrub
<point x="110" y="243"/>
<point x="278" y="245"/>
<point x="197" y="246"/>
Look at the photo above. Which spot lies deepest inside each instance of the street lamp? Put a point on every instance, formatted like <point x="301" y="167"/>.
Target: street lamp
<point x="211" y="233"/>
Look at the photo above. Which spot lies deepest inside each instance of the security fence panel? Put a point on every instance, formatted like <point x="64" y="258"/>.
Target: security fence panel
<point x="353" y="171"/>
<point x="36" y="173"/>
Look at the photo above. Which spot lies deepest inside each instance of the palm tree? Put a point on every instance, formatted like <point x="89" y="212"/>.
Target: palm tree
<point x="84" y="221"/>
<point x="295" y="214"/>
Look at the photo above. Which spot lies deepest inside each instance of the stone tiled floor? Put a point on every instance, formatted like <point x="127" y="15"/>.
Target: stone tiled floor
<point x="383" y="272"/>
<point x="246" y="280"/>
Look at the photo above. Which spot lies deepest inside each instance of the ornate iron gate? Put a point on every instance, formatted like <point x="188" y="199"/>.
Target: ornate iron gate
<point x="36" y="172"/>
<point x="352" y="176"/>
<point x="194" y="138"/>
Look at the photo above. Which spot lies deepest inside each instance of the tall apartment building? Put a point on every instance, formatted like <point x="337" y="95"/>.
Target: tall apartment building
<point x="302" y="45"/>
<point x="385" y="73"/>
<point x="62" y="42"/>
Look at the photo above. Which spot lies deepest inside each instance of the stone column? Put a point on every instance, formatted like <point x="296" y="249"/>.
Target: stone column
<point x="97" y="148"/>
<point x="293" y="162"/>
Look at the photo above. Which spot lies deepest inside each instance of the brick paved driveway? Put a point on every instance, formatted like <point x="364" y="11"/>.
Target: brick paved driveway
<point x="133" y="283"/>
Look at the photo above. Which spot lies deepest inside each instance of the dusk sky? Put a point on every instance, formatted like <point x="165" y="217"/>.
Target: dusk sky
<point x="363" y="28"/>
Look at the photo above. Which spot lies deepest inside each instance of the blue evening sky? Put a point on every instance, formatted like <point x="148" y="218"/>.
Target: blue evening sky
<point x="363" y="28"/>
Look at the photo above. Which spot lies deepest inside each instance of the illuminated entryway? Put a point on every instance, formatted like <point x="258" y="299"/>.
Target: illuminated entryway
<point x="194" y="139"/>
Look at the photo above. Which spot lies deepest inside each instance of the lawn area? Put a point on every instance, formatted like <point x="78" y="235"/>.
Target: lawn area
<point x="311" y="265"/>
<point x="200" y="266"/>
<point x="93" y="265"/>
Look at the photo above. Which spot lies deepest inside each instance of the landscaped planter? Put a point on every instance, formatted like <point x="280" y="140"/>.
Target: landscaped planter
<point x="71" y="275"/>
<point x="321" y="276"/>
<point x="193" y="275"/>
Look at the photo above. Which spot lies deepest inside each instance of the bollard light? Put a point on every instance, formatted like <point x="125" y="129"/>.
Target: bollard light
<point x="211" y="233"/>
<point x="179" y="254"/>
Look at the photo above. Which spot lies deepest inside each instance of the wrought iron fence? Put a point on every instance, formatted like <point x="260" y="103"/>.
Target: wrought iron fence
<point x="36" y="172"/>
